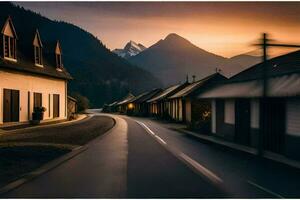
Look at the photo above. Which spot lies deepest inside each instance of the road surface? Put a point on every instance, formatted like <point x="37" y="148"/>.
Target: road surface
<point x="143" y="158"/>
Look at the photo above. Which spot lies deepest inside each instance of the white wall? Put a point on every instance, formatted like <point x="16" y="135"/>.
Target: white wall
<point x="254" y="113"/>
<point x="229" y="111"/>
<point x="213" y="116"/>
<point x="293" y="117"/>
<point x="31" y="83"/>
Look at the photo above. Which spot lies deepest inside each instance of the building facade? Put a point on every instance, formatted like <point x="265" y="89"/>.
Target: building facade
<point x="184" y="107"/>
<point x="31" y="75"/>
<point x="159" y="104"/>
<point x="238" y="115"/>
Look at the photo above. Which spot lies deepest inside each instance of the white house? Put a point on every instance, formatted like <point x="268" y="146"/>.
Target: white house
<point x="31" y="75"/>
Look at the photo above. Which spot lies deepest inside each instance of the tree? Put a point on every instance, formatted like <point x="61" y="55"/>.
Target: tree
<point x="82" y="102"/>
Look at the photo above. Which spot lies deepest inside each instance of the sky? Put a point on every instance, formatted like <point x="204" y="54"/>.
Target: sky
<point x="223" y="28"/>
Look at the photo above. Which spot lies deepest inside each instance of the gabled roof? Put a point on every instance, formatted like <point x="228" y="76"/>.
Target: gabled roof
<point x="191" y="88"/>
<point x="72" y="98"/>
<point x="137" y="97"/>
<point x="283" y="80"/>
<point x="149" y="95"/>
<point x="284" y="64"/>
<point x="112" y="104"/>
<point x="279" y="86"/>
<point x="9" y="26"/>
<point x="25" y="56"/>
<point x="167" y="92"/>
<point x="58" y="48"/>
<point x="145" y="96"/>
<point x="37" y="39"/>
<point x="126" y="99"/>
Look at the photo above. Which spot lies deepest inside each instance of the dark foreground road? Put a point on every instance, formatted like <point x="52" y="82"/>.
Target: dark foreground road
<point x="140" y="158"/>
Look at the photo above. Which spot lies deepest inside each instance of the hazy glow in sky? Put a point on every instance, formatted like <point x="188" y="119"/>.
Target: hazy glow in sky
<point x="223" y="28"/>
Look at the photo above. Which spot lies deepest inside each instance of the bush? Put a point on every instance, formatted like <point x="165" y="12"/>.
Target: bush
<point x="83" y="102"/>
<point x="39" y="109"/>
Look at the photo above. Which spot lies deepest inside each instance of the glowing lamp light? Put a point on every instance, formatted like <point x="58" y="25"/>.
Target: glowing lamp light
<point x="130" y="106"/>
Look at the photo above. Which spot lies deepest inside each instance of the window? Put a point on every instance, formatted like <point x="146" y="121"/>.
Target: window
<point x="58" y="54"/>
<point x="37" y="100"/>
<point x="56" y="105"/>
<point x="58" y="61"/>
<point x="9" y="44"/>
<point x="37" y="48"/>
<point x="229" y="111"/>
<point x="38" y="55"/>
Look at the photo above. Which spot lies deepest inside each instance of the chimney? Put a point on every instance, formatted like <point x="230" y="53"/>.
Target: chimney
<point x="194" y="78"/>
<point x="187" y="78"/>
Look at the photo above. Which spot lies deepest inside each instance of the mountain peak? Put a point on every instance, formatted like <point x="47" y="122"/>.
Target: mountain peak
<point x="173" y="36"/>
<point x="131" y="49"/>
<point x="175" y="40"/>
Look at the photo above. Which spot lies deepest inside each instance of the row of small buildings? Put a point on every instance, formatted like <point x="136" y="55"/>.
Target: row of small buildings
<point x="32" y="75"/>
<point x="231" y="108"/>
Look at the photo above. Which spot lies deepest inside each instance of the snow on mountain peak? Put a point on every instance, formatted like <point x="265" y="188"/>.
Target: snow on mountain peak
<point x="131" y="49"/>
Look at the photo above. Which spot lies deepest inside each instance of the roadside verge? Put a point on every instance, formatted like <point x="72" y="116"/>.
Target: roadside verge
<point x="57" y="161"/>
<point x="234" y="146"/>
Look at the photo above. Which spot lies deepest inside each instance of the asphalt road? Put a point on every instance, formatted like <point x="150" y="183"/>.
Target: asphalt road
<point x="142" y="158"/>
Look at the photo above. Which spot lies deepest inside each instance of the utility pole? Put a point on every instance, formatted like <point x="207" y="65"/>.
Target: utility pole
<point x="264" y="95"/>
<point x="263" y="104"/>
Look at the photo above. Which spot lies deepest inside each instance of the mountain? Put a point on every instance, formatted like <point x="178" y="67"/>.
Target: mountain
<point x="172" y="58"/>
<point x="239" y="63"/>
<point x="98" y="74"/>
<point x="130" y="49"/>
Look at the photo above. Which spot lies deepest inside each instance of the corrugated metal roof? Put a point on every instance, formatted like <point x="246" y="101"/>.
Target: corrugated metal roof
<point x="147" y="95"/>
<point x="193" y="86"/>
<point x="137" y="97"/>
<point x="281" y="86"/>
<point x="164" y="93"/>
<point x="113" y="104"/>
<point x="126" y="99"/>
<point x="281" y="65"/>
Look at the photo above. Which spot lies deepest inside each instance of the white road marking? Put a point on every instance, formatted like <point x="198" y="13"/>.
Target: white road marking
<point x="146" y="127"/>
<point x="265" y="189"/>
<point x="187" y="160"/>
<point x="159" y="138"/>
<point x="206" y="172"/>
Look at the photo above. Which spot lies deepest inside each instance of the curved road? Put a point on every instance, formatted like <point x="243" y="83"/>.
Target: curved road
<point x="142" y="158"/>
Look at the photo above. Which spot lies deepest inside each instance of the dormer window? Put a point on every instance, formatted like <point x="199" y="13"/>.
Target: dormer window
<point x="9" y="41"/>
<point x="58" y="59"/>
<point x="37" y="47"/>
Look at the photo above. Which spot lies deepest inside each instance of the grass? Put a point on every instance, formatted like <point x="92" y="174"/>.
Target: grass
<point x="27" y="150"/>
<point x="16" y="161"/>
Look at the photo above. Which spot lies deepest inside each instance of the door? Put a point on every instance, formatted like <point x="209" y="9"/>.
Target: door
<point x="11" y="105"/>
<point x="242" y="121"/>
<point x="55" y="105"/>
<point x="219" y="117"/>
<point x="275" y="125"/>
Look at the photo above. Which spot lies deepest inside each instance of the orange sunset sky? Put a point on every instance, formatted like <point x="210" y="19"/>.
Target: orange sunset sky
<point x="223" y="28"/>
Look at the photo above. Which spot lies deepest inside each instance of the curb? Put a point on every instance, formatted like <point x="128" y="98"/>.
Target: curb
<point x="234" y="146"/>
<point x="52" y="164"/>
<point x="267" y="155"/>
<point x="45" y="126"/>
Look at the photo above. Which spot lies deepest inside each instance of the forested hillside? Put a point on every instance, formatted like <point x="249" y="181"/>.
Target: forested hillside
<point x="98" y="73"/>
